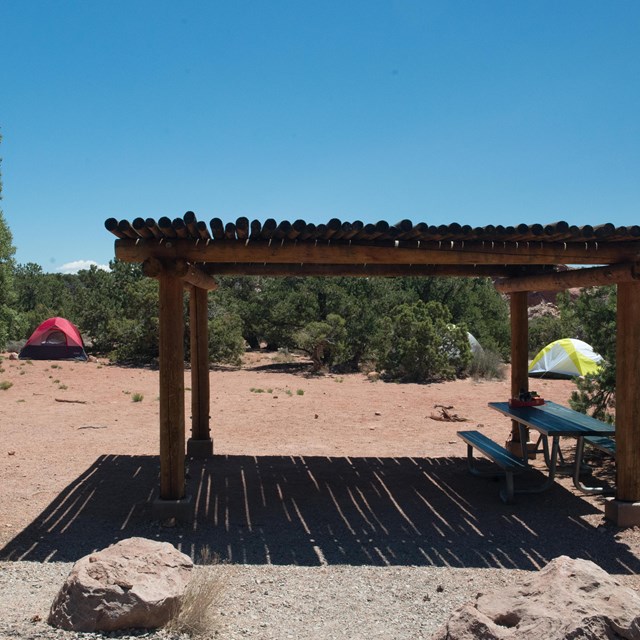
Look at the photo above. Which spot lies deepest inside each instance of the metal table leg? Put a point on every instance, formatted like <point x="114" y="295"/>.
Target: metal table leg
<point x="578" y="468"/>
<point x="553" y="457"/>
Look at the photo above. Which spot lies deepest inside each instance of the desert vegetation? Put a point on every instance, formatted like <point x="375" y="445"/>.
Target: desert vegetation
<point x="412" y="328"/>
<point x="408" y="329"/>
<point x="197" y="615"/>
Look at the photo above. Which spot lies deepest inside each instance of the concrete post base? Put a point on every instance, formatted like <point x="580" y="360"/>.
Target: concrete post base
<point x="181" y="510"/>
<point x="200" y="448"/>
<point x="624" y="514"/>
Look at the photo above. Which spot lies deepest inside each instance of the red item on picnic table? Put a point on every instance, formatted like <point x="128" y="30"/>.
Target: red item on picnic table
<point x="534" y="402"/>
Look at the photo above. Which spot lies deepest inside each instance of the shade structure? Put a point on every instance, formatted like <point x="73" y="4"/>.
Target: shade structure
<point x="565" y="358"/>
<point x="54" y="339"/>
<point x="531" y="257"/>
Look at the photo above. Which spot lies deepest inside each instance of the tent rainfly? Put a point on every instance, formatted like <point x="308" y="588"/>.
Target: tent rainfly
<point x="54" y="339"/>
<point x="565" y="358"/>
<point x="476" y="347"/>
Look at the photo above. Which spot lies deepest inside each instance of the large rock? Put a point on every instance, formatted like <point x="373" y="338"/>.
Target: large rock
<point x="134" y="583"/>
<point x="567" y="599"/>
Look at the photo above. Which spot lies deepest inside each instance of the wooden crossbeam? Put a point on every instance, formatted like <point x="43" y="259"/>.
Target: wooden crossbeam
<point x="189" y="274"/>
<point x="356" y="270"/>
<point x="496" y="253"/>
<point x="562" y="280"/>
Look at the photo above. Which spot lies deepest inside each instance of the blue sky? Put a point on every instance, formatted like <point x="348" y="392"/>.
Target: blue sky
<point x="477" y="112"/>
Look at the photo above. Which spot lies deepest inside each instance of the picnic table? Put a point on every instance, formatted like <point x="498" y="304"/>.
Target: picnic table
<point x="554" y="421"/>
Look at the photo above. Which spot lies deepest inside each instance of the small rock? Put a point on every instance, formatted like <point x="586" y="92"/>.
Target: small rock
<point x="377" y="413"/>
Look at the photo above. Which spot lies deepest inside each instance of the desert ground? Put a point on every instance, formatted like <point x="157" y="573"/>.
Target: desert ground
<point x="337" y="506"/>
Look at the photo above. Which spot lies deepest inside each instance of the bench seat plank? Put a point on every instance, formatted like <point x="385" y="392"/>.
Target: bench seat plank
<point x="492" y="450"/>
<point x="608" y="445"/>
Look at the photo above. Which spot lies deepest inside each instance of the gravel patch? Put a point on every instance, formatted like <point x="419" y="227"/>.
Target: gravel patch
<point x="270" y="602"/>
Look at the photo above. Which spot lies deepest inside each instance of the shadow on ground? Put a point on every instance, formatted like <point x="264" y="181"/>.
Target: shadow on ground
<point x="314" y="510"/>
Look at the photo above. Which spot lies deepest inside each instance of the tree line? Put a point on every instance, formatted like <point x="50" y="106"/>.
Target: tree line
<point x="414" y="329"/>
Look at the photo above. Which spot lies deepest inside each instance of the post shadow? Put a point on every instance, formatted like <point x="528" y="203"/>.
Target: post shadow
<point x="312" y="510"/>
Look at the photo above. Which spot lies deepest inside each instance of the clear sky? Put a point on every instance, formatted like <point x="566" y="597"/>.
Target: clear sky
<point x="477" y="112"/>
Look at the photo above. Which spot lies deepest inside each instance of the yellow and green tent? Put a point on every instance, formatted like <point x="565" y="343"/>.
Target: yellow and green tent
<point x="565" y="358"/>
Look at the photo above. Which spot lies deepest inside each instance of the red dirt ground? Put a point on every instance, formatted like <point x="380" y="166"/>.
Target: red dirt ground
<point x="257" y="411"/>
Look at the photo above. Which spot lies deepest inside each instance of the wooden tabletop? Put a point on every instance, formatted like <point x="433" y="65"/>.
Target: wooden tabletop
<point x="552" y="419"/>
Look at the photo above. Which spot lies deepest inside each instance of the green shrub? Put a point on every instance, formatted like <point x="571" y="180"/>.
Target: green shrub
<point x="137" y="397"/>
<point x="5" y="384"/>
<point x="596" y="394"/>
<point x="594" y="313"/>
<point x="544" y="330"/>
<point x="418" y="343"/>
<point x="226" y="344"/>
<point x="322" y="340"/>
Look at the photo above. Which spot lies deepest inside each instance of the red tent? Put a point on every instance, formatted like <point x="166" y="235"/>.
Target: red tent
<point x="54" y="339"/>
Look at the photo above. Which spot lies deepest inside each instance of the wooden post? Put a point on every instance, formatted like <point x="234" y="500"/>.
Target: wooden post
<point x="519" y="355"/>
<point x="628" y="393"/>
<point x="172" y="452"/>
<point x="200" y="444"/>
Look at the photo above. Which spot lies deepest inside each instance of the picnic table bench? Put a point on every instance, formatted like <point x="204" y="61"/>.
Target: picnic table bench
<point x="553" y="421"/>
<point x="603" y="443"/>
<point x="506" y="460"/>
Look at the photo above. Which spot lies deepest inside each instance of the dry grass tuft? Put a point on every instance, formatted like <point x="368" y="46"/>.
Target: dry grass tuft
<point x="487" y="365"/>
<point x="198" y="614"/>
